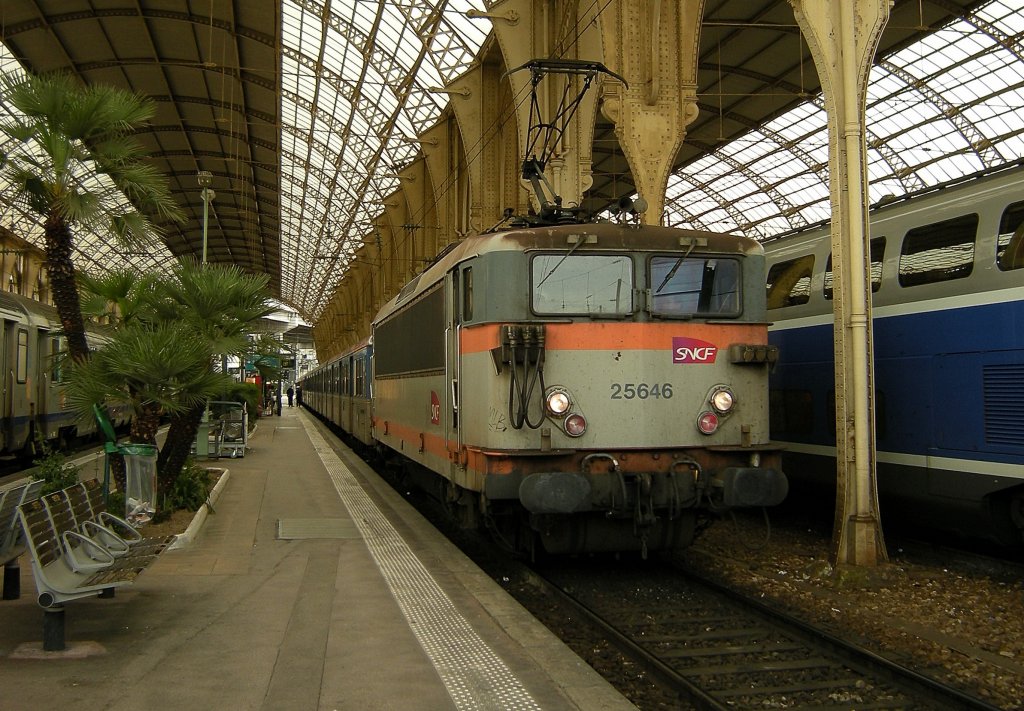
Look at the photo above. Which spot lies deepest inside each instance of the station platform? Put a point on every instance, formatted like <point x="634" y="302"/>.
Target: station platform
<point x="313" y="585"/>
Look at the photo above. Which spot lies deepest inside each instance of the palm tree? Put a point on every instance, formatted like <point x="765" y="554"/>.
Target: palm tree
<point x="122" y="296"/>
<point x="154" y="370"/>
<point x="69" y="156"/>
<point x="218" y="304"/>
<point x="221" y="305"/>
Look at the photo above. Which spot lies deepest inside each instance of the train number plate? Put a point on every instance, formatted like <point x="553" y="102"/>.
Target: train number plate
<point x="641" y="391"/>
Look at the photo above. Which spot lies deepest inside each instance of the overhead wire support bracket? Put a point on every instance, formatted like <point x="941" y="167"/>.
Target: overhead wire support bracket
<point x="543" y="136"/>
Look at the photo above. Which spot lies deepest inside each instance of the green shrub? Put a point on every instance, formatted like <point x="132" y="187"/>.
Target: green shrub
<point x="53" y="468"/>
<point x="190" y="490"/>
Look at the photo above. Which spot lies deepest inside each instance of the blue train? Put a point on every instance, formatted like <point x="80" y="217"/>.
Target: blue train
<point x="947" y="272"/>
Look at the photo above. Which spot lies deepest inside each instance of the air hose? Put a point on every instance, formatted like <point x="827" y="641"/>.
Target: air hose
<point x="530" y="340"/>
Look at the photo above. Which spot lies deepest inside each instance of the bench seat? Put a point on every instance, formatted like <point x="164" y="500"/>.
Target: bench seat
<point x="116" y="534"/>
<point x="65" y="564"/>
<point x="12" y="543"/>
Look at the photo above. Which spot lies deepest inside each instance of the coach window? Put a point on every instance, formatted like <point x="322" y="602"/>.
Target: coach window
<point x="938" y="252"/>
<point x="877" y="254"/>
<point x="694" y="286"/>
<point x="789" y="283"/>
<point x="586" y="284"/>
<point x="21" y="366"/>
<point x="1010" y="246"/>
<point x="360" y="378"/>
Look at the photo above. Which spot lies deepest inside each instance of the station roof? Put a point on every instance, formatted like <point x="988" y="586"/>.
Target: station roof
<point x="304" y="111"/>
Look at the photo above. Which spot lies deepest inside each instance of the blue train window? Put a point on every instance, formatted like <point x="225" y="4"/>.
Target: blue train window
<point x="789" y="282"/>
<point x="1010" y="246"/>
<point x="877" y="255"/>
<point x="938" y="252"/>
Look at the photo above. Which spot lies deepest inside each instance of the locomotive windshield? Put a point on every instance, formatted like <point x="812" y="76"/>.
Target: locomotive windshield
<point x="694" y="286"/>
<point x="583" y="284"/>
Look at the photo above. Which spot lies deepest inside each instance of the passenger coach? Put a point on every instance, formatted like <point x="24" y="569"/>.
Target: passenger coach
<point x="947" y="276"/>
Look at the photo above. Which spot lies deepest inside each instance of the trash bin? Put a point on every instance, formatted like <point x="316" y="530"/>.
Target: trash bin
<point x="140" y="482"/>
<point x="201" y="447"/>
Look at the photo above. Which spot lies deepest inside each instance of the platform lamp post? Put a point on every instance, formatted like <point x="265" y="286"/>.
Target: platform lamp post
<point x="205" y="178"/>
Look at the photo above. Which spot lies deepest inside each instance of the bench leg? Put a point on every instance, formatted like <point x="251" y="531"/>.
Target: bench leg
<point x="53" y="629"/>
<point x="12" y="580"/>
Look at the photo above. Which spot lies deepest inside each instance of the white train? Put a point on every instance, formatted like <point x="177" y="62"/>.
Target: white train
<point x="32" y="401"/>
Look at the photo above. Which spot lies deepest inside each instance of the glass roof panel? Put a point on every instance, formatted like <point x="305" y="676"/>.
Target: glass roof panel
<point x="947" y="106"/>
<point x="357" y="77"/>
<point x="94" y="249"/>
<point x="370" y="49"/>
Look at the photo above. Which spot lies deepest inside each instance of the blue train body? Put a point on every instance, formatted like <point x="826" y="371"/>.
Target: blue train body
<point x="949" y="359"/>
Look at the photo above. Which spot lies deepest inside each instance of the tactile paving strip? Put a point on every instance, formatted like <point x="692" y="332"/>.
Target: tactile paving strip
<point x="475" y="677"/>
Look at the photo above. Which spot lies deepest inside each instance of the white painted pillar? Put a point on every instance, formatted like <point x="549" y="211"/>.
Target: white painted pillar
<point x="843" y="36"/>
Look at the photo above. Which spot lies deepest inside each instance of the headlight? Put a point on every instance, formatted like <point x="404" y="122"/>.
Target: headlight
<point x="575" y="425"/>
<point x="707" y="423"/>
<point x="722" y="400"/>
<point x="558" y="402"/>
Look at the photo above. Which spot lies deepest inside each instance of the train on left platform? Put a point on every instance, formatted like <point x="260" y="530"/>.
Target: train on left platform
<point x="33" y="405"/>
<point x="582" y="387"/>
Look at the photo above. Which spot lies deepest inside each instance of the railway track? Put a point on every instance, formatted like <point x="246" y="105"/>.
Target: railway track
<point x="715" y="650"/>
<point x="668" y="641"/>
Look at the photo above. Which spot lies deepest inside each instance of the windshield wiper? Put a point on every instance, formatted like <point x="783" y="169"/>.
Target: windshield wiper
<point x="674" y="269"/>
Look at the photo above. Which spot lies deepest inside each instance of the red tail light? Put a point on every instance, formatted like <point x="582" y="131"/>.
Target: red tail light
<point x="707" y="423"/>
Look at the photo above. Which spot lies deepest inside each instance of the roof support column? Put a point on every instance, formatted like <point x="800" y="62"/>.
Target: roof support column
<point x="653" y="45"/>
<point x="482" y="114"/>
<point x="843" y="37"/>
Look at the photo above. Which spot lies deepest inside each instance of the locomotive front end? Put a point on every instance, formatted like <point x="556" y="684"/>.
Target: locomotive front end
<point x="632" y="397"/>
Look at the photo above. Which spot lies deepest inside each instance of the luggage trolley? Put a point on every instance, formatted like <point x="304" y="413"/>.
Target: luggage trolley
<point x="226" y="430"/>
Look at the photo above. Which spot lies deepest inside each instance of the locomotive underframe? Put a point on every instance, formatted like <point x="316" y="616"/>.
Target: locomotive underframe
<point x="594" y="501"/>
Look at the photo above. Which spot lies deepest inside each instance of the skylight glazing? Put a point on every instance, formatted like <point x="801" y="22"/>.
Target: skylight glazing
<point x="950" y="105"/>
<point x="94" y="250"/>
<point x="356" y="75"/>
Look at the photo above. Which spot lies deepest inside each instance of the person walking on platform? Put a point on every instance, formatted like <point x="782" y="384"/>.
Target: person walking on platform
<point x="291" y="394"/>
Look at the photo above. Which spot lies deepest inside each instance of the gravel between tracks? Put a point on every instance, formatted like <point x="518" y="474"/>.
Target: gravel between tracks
<point x="952" y="621"/>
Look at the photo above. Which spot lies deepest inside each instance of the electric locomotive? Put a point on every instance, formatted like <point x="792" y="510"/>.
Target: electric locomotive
<point x="587" y="387"/>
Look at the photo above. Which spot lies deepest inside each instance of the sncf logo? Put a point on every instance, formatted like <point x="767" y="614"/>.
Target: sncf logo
<point x="692" y="350"/>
